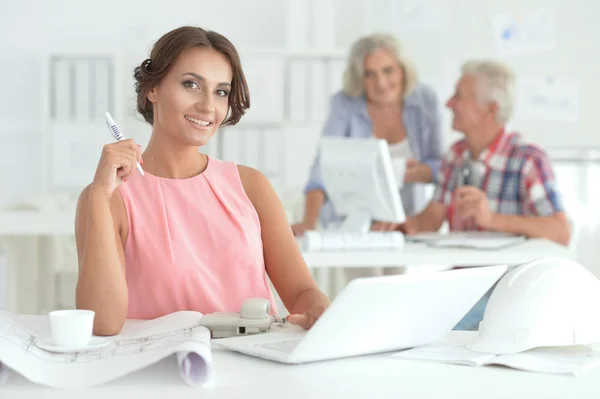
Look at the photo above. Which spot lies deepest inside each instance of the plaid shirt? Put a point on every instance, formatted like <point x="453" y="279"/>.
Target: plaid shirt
<point x="516" y="176"/>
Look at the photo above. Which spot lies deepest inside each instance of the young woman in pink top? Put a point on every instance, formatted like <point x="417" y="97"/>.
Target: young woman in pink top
<point x="193" y="233"/>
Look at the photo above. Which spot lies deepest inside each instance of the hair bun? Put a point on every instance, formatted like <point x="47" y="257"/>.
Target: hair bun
<point x="146" y="64"/>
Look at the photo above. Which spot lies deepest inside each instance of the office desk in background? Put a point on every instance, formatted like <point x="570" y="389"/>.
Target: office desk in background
<point x="375" y="376"/>
<point x="421" y="254"/>
<point x="421" y="258"/>
<point x="31" y="224"/>
<point x="29" y="286"/>
<point x="23" y="231"/>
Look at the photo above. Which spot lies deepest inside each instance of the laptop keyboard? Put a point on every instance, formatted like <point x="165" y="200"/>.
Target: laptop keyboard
<point x="287" y="345"/>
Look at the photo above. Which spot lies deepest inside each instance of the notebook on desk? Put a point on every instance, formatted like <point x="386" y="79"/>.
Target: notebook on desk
<point x="484" y="240"/>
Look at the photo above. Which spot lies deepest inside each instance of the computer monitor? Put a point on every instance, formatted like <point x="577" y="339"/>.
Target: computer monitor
<point x="359" y="180"/>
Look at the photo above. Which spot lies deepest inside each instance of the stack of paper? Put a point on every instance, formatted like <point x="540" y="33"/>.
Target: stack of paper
<point x="468" y="239"/>
<point x="573" y="360"/>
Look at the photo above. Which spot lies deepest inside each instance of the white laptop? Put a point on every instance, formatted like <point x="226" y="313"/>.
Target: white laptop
<point x="377" y="314"/>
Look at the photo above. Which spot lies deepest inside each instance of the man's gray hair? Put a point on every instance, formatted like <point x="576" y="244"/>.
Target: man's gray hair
<point x="495" y="82"/>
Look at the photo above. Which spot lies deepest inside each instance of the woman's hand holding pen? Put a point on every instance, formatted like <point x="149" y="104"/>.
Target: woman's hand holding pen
<point x="117" y="162"/>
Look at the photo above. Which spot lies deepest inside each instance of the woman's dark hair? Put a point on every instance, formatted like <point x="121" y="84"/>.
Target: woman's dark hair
<point x="165" y="53"/>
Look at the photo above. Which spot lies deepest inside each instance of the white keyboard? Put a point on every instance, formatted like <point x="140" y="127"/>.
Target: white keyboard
<point x="337" y="240"/>
<point x="287" y="345"/>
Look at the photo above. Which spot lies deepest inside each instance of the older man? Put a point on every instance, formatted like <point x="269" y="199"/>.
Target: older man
<point x="492" y="179"/>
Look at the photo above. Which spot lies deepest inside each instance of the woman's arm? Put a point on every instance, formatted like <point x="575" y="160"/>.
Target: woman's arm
<point x="428" y="137"/>
<point x="100" y="224"/>
<point x="101" y="285"/>
<point x="283" y="260"/>
<point x="313" y="203"/>
<point x="432" y="153"/>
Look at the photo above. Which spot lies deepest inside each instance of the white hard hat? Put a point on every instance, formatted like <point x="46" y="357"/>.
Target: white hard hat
<point x="547" y="302"/>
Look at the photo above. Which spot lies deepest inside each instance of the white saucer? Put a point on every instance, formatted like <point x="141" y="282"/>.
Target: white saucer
<point x="50" y="346"/>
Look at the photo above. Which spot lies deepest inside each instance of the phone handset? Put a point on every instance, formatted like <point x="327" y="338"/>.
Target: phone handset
<point x="254" y="318"/>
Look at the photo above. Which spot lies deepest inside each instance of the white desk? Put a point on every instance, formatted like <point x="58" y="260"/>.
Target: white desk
<point x="24" y="229"/>
<point x="29" y="285"/>
<point x="418" y="257"/>
<point x="421" y="254"/>
<point x="377" y="376"/>
<point x="30" y="223"/>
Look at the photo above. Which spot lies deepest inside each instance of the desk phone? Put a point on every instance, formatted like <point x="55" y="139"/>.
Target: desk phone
<point x="253" y="318"/>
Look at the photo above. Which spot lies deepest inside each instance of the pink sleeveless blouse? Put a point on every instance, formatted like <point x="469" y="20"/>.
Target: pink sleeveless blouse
<point x="193" y="244"/>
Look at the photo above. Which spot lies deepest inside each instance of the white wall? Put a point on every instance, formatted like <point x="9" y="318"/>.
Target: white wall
<point x="457" y="29"/>
<point x="31" y="29"/>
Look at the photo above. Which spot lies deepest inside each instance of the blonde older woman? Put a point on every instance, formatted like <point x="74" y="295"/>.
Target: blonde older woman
<point x="381" y="98"/>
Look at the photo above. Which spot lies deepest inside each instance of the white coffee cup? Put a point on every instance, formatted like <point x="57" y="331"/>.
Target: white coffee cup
<point x="72" y="329"/>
